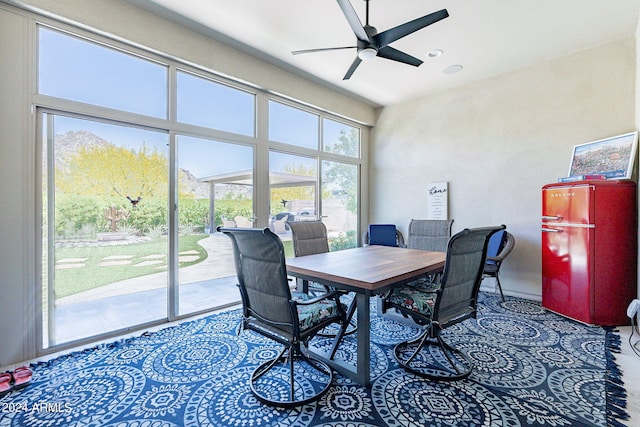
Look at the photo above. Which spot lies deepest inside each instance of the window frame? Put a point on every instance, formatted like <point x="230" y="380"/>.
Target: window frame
<point x="259" y="142"/>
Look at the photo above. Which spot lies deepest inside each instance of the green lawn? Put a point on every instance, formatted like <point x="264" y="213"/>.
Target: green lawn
<point x="70" y="281"/>
<point x="74" y="280"/>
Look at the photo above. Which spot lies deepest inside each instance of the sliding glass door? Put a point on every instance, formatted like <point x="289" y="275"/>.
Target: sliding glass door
<point x="215" y="188"/>
<point x="105" y="196"/>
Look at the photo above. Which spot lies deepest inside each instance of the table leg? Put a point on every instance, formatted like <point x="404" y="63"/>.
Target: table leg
<point x="361" y="372"/>
<point x="363" y="366"/>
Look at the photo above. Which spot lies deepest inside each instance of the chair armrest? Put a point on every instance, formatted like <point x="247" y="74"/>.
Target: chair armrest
<point x="322" y="297"/>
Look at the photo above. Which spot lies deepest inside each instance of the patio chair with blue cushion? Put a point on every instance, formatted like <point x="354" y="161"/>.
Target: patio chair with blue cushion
<point x="500" y="246"/>
<point x="454" y="301"/>
<point x="270" y="309"/>
<point x="383" y="235"/>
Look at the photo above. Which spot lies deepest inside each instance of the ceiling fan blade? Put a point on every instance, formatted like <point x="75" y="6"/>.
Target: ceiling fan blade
<point x="396" y="55"/>
<point x="395" y="33"/>
<point x="298" y="52"/>
<point x="352" y="17"/>
<point x="351" y="69"/>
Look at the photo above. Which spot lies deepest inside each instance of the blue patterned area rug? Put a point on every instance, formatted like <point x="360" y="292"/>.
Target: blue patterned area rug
<point x="532" y="368"/>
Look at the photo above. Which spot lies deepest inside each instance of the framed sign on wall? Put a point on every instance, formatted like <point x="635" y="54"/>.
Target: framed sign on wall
<point x="438" y="200"/>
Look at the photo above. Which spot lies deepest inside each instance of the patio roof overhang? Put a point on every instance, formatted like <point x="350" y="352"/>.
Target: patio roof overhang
<point x="276" y="179"/>
<point x="245" y="177"/>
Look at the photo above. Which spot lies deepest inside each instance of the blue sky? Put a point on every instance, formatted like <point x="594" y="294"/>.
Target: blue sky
<point x="75" y="69"/>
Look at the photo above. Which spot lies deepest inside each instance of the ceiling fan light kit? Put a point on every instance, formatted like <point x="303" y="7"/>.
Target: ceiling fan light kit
<point x="370" y="43"/>
<point x="367" y="53"/>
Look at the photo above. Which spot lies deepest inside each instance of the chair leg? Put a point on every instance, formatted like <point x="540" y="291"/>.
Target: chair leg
<point x="350" y="312"/>
<point x="265" y="367"/>
<point x="460" y="365"/>
<point x="499" y="285"/>
<point x="276" y="382"/>
<point x="342" y="332"/>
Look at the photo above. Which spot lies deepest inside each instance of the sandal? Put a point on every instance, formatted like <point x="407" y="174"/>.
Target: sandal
<point x="5" y="383"/>
<point x="21" y="377"/>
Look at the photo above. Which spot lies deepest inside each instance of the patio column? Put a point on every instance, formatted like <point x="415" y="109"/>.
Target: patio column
<point x="212" y="207"/>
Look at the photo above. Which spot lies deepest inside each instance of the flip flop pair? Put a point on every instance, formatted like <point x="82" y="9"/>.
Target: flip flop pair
<point x="21" y="377"/>
<point x="18" y="379"/>
<point x="5" y="383"/>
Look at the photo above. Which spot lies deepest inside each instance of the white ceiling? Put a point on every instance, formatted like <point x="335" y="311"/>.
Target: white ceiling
<point x="486" y="37"/>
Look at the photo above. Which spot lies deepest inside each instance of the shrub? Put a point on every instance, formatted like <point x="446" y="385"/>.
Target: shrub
<point x="343" y="241"/>
<point x="74" y="213"/>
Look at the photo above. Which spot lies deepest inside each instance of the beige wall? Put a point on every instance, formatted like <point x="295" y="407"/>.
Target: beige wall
<point x="16" y="327"/>
<point x="496" y="142"/>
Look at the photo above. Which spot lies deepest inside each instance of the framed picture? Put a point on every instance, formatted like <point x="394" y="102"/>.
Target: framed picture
<point x="611" y="157"/>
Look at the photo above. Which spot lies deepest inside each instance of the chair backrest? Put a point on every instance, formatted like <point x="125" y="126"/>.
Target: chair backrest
<point x="309" y="237"/>
<point x="383" y="235"/>
<point x="429" y="234"/>
<point x="464" y="264"/>
<point x="496" y="243"/>
<point x="262" y="277"/>
<point x="507" y="246"/>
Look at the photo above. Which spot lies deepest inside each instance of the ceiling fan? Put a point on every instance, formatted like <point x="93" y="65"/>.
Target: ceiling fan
<point x="370" y="43"/>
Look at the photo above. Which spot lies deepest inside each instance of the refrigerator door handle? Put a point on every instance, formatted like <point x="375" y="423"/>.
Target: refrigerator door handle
<point x="550" y="230"/>
<point x="552" y="217"/>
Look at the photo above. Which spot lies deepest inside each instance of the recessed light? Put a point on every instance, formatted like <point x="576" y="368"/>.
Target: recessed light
<point x="434" y="53"/>
<point x="452" y="69"/>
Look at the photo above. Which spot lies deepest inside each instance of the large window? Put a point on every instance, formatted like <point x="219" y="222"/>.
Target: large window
<point x="143" y="158"/>
<point x="292" y="125"/>
<point x="206" y="103"/>
<point x="71" y="68"/>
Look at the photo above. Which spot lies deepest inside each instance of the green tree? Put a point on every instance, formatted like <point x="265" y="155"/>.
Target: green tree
<point x="116" y="172"/>
<point x="344" y="176"/>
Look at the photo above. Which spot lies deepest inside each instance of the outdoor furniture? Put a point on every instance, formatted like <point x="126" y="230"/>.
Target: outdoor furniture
<point x="227" y="223"/>
<point x="429" y="235"/>
<point x="454" y="300"/>
<point x="368" y="271"/>
<point x="279" y="226"/>
<point x="243" y="222"/>
<point x="500" y="246"/>
<point x="310" y="238"/>
<point x="268" y="308"/>
<point x="383" y="234"/>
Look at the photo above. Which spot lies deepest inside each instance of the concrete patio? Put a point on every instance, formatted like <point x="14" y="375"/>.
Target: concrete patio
<point x="209" y="284"/>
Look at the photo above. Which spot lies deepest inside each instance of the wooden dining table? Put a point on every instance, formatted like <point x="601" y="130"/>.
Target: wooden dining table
<point x="368" y="271"/>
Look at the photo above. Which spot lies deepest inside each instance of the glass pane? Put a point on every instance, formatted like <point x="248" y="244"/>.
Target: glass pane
<point x="206" y="103"/>
<point x="292" y="180"/>
<point x="215" y="188"/>
<point x="106" y="227"/>
<point x="76" y="69"/>
<point x="292" y="126"/>
<point x="340" y="138"/>
<point x="340" y="204"/>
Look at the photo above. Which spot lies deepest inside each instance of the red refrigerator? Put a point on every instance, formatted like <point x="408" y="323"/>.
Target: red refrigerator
<point x="589" y="250"/>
